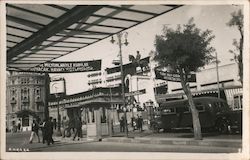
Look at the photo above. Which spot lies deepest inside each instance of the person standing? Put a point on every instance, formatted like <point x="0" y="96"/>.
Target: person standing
<point x="19" y="125"/>
<point x="65" y="126"/>
<point x="34" y="131"/>
<point x="78" y="127"/>
<point x="140" y="123"/>
<point x="49" y="131"/>
<point x="122" y="124"/>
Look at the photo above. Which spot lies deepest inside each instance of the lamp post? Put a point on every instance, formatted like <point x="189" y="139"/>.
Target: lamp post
<point x="119" y="37"/>
<point x="217" y="73"/>
<point x="58" y="115"/>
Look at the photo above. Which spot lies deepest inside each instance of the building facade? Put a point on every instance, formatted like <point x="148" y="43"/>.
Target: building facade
<point x="207" y="84"/>
<point x="25" y="93"/>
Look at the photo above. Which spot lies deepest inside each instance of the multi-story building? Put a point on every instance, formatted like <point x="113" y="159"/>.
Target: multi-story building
<point x="25" y="99"/>
<point x="207" y="84"/>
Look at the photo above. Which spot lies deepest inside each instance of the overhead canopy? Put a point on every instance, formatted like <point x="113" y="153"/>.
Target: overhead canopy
<point x="38" y="33"/>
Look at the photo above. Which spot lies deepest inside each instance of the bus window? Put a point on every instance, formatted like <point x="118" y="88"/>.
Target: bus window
<point x="184" y="109"/>
<point x="168" y="110"/>
<point x="200" y="108"/>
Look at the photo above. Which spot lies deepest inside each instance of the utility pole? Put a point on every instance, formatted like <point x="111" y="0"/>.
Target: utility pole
<point x="119" y="37"/>
<point x="217" y="73"/>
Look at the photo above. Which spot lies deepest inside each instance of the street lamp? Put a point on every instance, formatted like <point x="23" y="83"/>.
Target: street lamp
<point x="58" y="115"/>
<point x="119" y="37"/>
<point x="217" y="73"/>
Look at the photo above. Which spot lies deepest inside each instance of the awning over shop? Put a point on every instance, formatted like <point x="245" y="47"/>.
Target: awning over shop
<point x="38" y="33"/>
<point x="166" y="97"/>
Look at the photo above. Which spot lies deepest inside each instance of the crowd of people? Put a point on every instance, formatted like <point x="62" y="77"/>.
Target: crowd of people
<point x="136" y="123"/>
<point x="47" y="131"/>
<point x="68" y="128"/>
<point x="73" y="128"/>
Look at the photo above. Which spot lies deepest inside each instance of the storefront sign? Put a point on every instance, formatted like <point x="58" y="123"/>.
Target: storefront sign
<point x="174" y="77"/>
<point x="68" y="67"/>
<point x="143" y="91"/>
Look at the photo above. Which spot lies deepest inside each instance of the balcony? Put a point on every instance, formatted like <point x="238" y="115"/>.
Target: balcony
<point x="25" y="100"/>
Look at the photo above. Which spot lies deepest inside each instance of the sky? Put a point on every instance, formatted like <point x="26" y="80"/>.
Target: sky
<point x="142" y="37"/>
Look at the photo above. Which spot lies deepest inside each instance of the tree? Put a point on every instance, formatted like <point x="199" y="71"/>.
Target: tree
<point x="185" y="50"/>
<point x="237" y="21"/>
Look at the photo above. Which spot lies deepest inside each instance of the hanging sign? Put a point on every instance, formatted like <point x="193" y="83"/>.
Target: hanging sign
<point x="134" y="93"/>
<point x="68" y="67"/>
<point x="174" y="77"/>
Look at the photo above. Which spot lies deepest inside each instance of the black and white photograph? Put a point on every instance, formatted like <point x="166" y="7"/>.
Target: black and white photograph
<point x="124" y="80"/>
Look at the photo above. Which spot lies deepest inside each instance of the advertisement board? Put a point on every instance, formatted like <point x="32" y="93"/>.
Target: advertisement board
<point x="174" y="77"/>
<point x="68" y="67"/>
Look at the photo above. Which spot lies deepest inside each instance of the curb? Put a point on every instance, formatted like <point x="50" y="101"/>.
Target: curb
<point x="206" y="142"/>
<point x="69" y="140"/>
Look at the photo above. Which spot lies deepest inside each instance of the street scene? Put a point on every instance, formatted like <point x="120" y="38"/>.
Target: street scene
<point x="165" y="78"/>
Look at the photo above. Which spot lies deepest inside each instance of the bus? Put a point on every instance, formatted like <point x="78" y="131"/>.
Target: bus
<point x="214" y="114"/>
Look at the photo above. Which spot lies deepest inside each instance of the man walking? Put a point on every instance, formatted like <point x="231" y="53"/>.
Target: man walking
<point x="34" y="130"/>
<point x="78" y="125"/>
<point x="49" y="131"/>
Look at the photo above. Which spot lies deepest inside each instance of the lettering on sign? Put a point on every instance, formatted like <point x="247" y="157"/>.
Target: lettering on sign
<point x="133" y="93"/>
<point x="68" y="67"/>
<point x="175" y="77"/>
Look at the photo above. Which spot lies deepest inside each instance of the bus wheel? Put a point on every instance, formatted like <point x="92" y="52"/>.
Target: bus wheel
<point x="222" y="127"/>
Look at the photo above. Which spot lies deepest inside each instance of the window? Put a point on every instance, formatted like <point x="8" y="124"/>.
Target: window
<point x="183" y="109"/>
<point x="13" y="92"/>
<point x="38" y="91"/>
<point x="170" y="110"/>
<point x="200" y="108"/>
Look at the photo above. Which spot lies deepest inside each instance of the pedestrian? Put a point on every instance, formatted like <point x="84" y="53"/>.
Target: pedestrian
<point x="122" y="124"/>
<point x="34" y="131"/>
<point x="140" y="123"/>
<point x="19" y="125"/>
<point x="78" y="127"/>
<point x="42" y="126"/>
<point x="49" y="131"/>
<point x="54" y="123"/>
<point x="65" y="127"/>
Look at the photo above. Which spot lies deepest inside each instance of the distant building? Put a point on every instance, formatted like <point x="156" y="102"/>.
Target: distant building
<point x="206" y="84"/>
<point x="25" y="93"/>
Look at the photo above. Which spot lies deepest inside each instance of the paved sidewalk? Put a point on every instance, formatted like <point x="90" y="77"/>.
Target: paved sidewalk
<point x="175" y="138"/>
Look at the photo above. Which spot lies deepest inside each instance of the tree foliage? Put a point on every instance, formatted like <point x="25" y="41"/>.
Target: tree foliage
<point x="188" y="48"/>
<point x="237" y="21"/>
<point x="185" y="50"/>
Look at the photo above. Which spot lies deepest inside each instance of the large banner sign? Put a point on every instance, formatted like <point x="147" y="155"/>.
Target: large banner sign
<point x="68" y="67"/>
<point x="174" y="77"/>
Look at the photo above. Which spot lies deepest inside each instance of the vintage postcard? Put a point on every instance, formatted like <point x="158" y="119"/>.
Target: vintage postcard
<point x="124" y="79"/>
